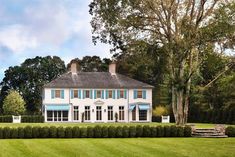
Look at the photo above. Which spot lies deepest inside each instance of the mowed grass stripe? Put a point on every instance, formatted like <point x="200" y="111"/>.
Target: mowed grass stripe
<point x="137" y="147"/>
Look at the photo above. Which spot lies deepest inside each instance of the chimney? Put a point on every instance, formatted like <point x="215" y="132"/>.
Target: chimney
<point x="112" y="68"/>
<point x="74" y="67"/>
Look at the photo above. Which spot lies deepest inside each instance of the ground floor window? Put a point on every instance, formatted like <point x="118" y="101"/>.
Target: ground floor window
<point x="110" y="112"/>
<point x="98" y="113"/>
<point x="121" y="113"/>
<point x="57" y="116"/>
<point x="87" y="113"/>
<point x="143" y="115"/>
<point x="134" y="114"/>
<point x="75" y="113"/>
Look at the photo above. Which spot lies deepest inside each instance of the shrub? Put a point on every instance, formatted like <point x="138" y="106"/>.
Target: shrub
<point x="53" y="132"/>
<point x="90" y="132"/>
<point x="146" y="131"/>
<point x="132" y="130"/>
<point x="230" y="131"/>
<point x="44" y="132"/>
<point x="76" y="132"/>
<point x="160" y="131"/>
<point x="68" y="132"/>
<point x="21" y="132"/>
<point x="167" y="131"/>
<point x="125" y="131"/>
<point x="35" y="132"/>
<point x="119" y="131"/>
<point x="28" y="132"/>
<point x="83" y="132"/>
<point x="112" y="131"/>
<point x="60" y="132"/>
<point x="139" y="131"/>
<point x="1" y="133"/>
<point x="14" y="133"/>
<point x="105" y="132"/>
<point x="187" y="131"/>
<point x="174" y="130"/>
<point x="6" y="132"/>
<point x="6" y="119"/>
<point x="153" y="131"/>
<point x="180" y="131"/>
<point x="32" y="119"/>
<point x="97" y="131"/>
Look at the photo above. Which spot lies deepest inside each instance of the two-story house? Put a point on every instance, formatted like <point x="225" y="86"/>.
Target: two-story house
<point x="96" y="97"/>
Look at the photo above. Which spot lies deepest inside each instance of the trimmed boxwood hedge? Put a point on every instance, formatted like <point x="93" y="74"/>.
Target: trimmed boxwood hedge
<point x="24" y="119"/>
<point x="230" y="131"/>
<point x="99" y="132"/>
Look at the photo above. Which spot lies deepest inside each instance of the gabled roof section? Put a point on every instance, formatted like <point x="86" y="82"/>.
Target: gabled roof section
<point x="95" y="80"/>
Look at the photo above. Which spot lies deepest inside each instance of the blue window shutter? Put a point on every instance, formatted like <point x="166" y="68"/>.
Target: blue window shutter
<point x="79" y="94"/>
<point x="52" y="94"/>
<point x="62" y="94"/>
<point x="113" y="94"/>
<point x="135" y="94"/>
<point x="102" y="94"/>
<point x="94" y="94"/>
<point x="118" y="94"/>
<point x="90" y="94"/>
<point x="125" y="92"/>
<point x="71" y="94"/>
<point x="144" y="94"/>
<point x="83" y="93"/>
<point x="107" y="94"/>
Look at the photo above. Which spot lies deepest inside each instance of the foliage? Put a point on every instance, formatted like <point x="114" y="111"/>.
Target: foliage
<point x="230" y="131"/>
<point x="160" y="111"/>
<point x="14" y="104"/>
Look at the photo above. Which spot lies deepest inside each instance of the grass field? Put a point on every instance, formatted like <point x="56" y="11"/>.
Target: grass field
<point x="198" y="125"/>
<point x="136" y="147"/>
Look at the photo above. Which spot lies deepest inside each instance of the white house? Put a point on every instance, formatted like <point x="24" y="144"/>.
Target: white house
<point x="96" y="97"/>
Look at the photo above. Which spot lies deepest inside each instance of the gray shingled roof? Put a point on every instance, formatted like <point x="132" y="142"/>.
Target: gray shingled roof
<point x="95" y="80"/>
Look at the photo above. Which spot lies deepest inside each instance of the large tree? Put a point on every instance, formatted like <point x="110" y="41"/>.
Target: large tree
<point x="181" y="29"/>
<point x="29" y="77"/>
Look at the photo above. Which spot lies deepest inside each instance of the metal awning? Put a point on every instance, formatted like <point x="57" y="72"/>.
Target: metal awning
<point x="132" y="107"/>
<point x="144" y="106"/>
<point x="62" y="107"/>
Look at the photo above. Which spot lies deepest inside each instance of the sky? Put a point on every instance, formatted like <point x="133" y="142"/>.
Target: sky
<point x="30" y="28"/>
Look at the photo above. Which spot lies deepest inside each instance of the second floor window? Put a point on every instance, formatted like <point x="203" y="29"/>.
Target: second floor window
<point x="110" y="94"/>
<point x="139" y="94"/>
<point x="87" y="94"/>
<point x="57" y="94"/>
<point x="98" y="94"/>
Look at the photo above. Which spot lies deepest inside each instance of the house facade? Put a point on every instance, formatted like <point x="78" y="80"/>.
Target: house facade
<point x="96" y="97"/>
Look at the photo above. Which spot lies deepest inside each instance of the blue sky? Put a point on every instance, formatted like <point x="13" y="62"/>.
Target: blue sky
<point x="30" y="28"/>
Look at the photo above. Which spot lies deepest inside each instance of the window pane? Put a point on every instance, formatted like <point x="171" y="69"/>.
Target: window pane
<point x="98" y="94"/>
<point x="121" y="94"/>
<point x="87" y="112"/>
<point x="65" y="115"/>
<point x="139" y="94"/>
<point x="110" y="112"/>
<point x="110" y="94"/>
<point x="75" y="93"/>
<point x="87" y="94"/>
<point x="75" y="113"/>
<point x="142" y="115"/>
<point x="57" y="93"/>
<point x="49" y="116"/>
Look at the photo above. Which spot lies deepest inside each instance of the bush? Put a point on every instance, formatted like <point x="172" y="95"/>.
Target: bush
<point x="153" y="131"/>
<point x="167" y="131"/>
<point x="125" y="131"/>
<point x="14" y="133"/>
<point x="180" y="132"/>
<point x="105" y="132"/>
<point x="174" y="131"/>
<point x="6" y="119"/>
<point x="1" y="133"/>
<point x="187" y="131"/>
<point x="146" y="131"/>
<point x="90" y="132"/>
<point x="28" y="132"/>
<point x="76" y="132"/>
<point x="97" y="131"/>
<point x="68" y="132"/>
<point x="35" y="132"/>
<point x="6" y="133"/>
<point x="53" y="132"/>
<point x="21" y="132"/>
<point x="32" y="119"/>
<point x="112" y="131"/>
<point x="139" y="131"/>
<point x="230" y="131"/>
<point x="44" y="132"/>
<point x="119" y="131"/>
<point x="132" y="130"/>
<point x="160" y="131"/>
<point x="83" y="132"/>
<point x="60" y="132"/>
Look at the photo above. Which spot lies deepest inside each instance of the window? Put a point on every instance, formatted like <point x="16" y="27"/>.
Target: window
<point x="134" y="114"/>
<point x="110" y="94"/>
<point x="57" y="94"/>
<point x="142" y="115"/>
<point x="121" y="93"/>
<point x="57" y="115"/>
<point x="110" y="112"/>
<point x="139" y="94"/>
<point x="87" y="113"/>
<point x="98" y="94"/>
<point x="75" y="93"/>
<point x="75" y="113"/>
<point x="49" y="116"/>
<point x="65" y="115"/>
<point x="121" y="113"/>
<point x="87" y="94"/>
<point x="98" y="113"/>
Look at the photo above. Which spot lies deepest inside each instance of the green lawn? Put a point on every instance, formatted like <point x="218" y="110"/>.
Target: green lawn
<point x="198" y="125"/>
<point x="142" y="147"/>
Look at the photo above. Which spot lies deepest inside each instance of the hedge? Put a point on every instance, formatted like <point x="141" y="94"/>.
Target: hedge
<point x="24" y="119"/>
<point x="230" y="131"/>
<point x="98" y="132"/>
